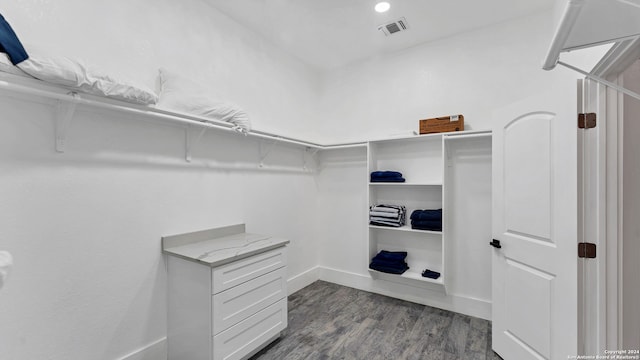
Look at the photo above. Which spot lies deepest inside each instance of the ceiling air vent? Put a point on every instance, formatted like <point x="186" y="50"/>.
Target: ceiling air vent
<point x="394" y="27"/>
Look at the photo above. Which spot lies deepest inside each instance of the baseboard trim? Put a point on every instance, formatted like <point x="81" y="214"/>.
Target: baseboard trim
<point x="460" y="304"/>
<point x="157" y="350"/>
<point x="303" y="279"/>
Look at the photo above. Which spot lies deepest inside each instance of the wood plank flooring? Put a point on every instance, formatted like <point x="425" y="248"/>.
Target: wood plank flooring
<point x="329" y="321"/>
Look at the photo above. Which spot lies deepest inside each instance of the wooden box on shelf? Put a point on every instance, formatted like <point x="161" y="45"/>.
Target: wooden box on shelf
<point x="442" y="124"/>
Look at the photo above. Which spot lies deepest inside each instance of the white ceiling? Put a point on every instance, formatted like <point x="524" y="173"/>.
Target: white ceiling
<point x="332" y="33"/>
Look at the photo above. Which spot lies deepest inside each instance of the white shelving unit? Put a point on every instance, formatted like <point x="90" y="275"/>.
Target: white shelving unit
<point x="420" y="160"/>
<point x="425" y="164"/>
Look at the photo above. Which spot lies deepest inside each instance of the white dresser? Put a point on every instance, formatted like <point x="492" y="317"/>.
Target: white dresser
<point x="227" y="293"/>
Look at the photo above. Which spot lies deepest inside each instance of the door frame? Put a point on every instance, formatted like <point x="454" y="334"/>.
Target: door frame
<point x="601" y="184"/>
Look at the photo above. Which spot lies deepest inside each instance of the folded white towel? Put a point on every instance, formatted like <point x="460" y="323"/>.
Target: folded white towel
<point x="6" y="261"/>
<point x="384" y="214"/>
<point x="385" y="209"/>
<point x="383" y="219"/>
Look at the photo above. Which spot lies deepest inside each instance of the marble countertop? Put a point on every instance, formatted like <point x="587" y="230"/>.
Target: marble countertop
<point x="219" y="246"/>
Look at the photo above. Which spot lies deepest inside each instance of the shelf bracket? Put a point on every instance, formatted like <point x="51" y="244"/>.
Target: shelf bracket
<point x="192" y="137"/>
<point x="305" y="159"/>
<point x="64" y="113"/>
<point x="263" y="155"/>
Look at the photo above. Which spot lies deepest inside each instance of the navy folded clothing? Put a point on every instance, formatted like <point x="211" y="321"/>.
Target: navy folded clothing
<point x="430" y="274"/>
<point x="437" y="223"/>
<point x="426" y="214"/>
<point x="388" y="263"/>
<point x="386" y="176"/>
<point x="389" y="270"/>
<point x="426" y="228"/>
<point x="10" y="44"/>
<point x="388" y="180"/>
<point x="383" y="174"/>
<point x="391" y="255"/>
<point x="433" y="225"/>
<point x="391" y="262"/>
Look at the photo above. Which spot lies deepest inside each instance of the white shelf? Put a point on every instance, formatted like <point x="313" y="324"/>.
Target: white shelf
<point x="407" y="275"/>
<point x="406" y="228"/>
<point x="403" y="184"/>
<point x="30" y="87"/>
<point x="423" y="137"/>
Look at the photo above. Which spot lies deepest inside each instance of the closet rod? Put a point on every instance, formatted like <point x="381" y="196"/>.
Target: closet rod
<point x="159" y="113"/>
<point x="602" y="81"/>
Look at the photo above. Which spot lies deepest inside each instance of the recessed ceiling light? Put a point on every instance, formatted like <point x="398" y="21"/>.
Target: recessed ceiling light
<point x="382" y="6"/>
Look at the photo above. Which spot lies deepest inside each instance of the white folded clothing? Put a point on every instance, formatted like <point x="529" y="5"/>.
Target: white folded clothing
<point x="384" y="214"/>
<point x="399" y="221"/>
<point x="387" y="208"/>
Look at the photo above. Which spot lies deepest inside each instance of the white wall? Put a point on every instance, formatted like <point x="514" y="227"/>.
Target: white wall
<point x="84" y="227"/>
<point x="631" y="212"/>
<point x="470" y="74"/>
<point x="133" y="38"/>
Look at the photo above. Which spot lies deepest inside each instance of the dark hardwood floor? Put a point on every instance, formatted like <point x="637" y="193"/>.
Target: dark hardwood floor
<point x="329" y="321"/>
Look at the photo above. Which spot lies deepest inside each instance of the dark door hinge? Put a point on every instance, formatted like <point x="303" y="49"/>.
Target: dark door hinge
<point x="586" y="250"/>
<point x="586" y="121"/>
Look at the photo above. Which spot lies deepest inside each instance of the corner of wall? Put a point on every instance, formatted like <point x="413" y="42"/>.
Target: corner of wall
<point x="155" y="351"/>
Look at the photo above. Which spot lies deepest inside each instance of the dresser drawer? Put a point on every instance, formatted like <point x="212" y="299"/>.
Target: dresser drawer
<point x="238" y="272"/>
<point x="238" y="303"/>
<point x="250" y="334"/>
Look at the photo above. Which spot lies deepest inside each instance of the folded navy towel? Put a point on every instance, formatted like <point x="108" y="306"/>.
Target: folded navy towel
<point x="391" y="255"/>
<point x="389" y="263"/>
<point x="426" y="214"/>
<point x="388" y="179"/>
<point x="426" y="228"/>
<point x="386" y="174"/>
<point x="430" y="274"/>
<point x="389" y="270"/>
<point x="10" y="44"/>
<point x="427" y="222"/>
<point x="433" y="225"/>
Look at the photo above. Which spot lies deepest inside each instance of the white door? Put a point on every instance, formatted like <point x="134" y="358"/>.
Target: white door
<point x="535" y="221"/>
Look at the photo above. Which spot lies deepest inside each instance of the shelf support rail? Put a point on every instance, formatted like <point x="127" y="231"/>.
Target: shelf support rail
<point x="263" y="155"/>
<point x="64" y="113"/>
<point x="192" y="137"/>
<point x="305" y="158"/>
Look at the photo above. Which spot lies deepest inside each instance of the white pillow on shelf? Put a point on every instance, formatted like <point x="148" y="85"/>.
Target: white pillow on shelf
<point x="180" y="94"/>
<point x="7" y="67"/>
<point x="76" y="75"/>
